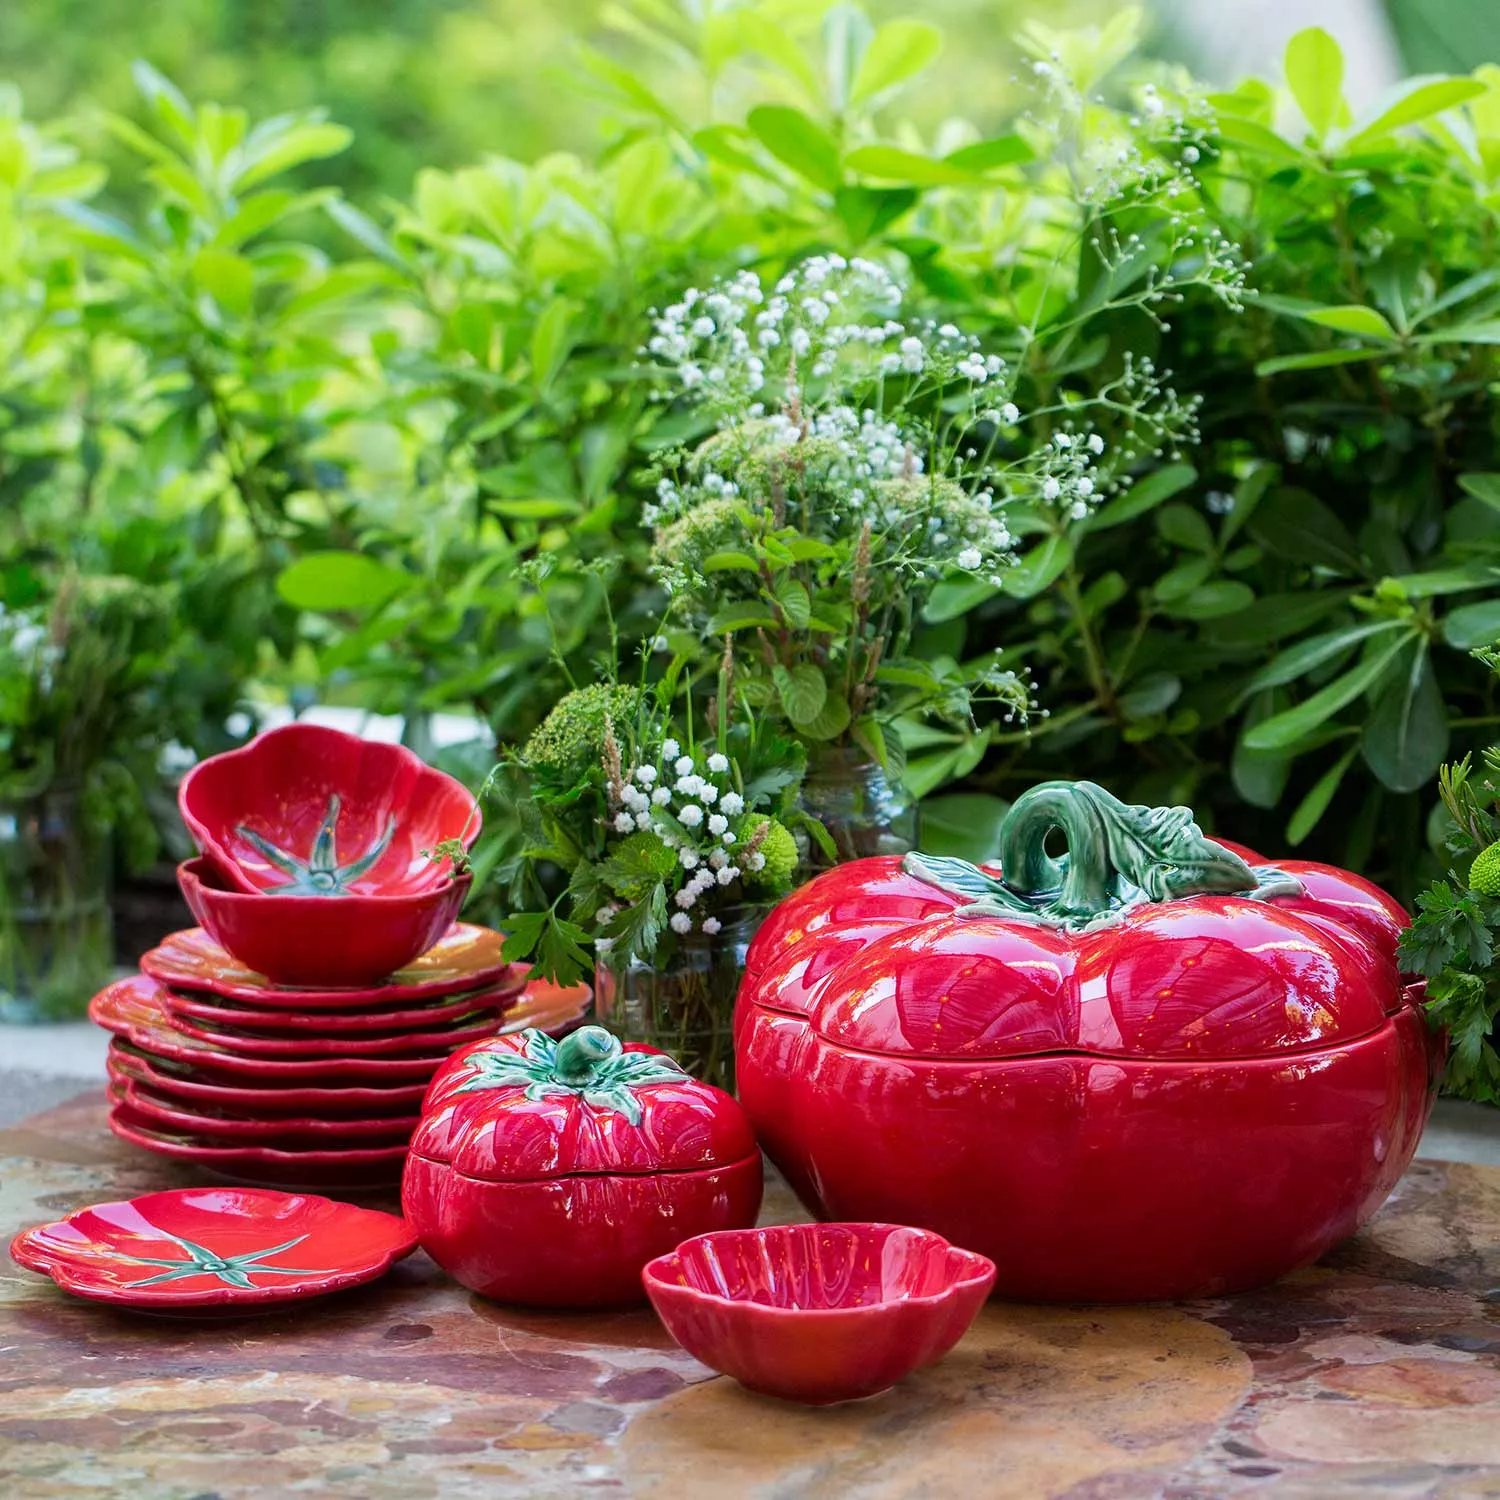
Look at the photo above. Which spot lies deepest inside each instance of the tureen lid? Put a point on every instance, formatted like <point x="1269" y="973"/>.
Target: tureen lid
<point x="525" y="1107"/>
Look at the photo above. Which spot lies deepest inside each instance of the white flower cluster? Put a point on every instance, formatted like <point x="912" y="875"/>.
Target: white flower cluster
<point x="829" y="316"/>
<point x="691" y="811"/>
<point x="25" y="641"/>
<point x="1062" y="473"/>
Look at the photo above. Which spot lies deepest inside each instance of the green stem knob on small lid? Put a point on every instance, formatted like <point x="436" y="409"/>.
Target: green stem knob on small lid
<point x="581" y="1054"/>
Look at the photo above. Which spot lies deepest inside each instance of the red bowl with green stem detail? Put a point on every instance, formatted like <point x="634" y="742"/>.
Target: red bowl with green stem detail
<point x="313" y="942"/>
<point x="309" y="811"/>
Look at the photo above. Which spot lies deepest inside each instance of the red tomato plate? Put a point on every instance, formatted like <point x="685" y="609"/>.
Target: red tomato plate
<point x="215" y="1249"/>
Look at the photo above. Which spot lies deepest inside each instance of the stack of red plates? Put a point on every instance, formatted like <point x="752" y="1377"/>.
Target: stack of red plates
<point x="214" y="1064"/>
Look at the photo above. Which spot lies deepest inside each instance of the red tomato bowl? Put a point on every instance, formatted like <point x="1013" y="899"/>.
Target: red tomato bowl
<point x="309" y="811"/>
<point x="818" y="1313"/>
<point x="314" y="942"/>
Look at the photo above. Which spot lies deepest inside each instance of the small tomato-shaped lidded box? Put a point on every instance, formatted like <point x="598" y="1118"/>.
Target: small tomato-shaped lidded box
<point x="1150" y="1068"/>
<point x="548" y="1173"/>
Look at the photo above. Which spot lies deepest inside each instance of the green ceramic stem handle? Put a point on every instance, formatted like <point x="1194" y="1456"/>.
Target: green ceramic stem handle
<point x="583" y="1053"/>
<point x="1119" y="857"/>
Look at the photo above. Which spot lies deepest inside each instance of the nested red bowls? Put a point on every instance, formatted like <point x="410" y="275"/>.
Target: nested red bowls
<point x="1150" y="1069"/>
<point x="309" y="811"/>
<point x="548" y="1173"/>
<point x="312" y="941"/>
<point x="818" y="1313"/>
<point x="213" y="1249"/>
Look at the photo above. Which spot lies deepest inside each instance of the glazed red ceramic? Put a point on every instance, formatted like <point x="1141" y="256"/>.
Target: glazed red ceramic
<point x="132" y="1008"/>
<point x="548" y="1173"/>
<point x="198" y="1088"/>
<point x="309" y="811"/>
<point x="214" y="1248"/>
<point x="818" y="1313"/>
<point x="431" y="1041"/>
<point x="287" y="1131"/>
<point x="1148" y="1069"/>
<point x="217" y="1013"/>
<point x="466" y="958"/>
<point x="312" y="941"/>
<point x="334" y="1166"/>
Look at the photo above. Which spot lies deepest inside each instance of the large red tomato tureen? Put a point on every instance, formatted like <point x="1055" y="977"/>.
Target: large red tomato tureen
<point x="1149" y="1068"/>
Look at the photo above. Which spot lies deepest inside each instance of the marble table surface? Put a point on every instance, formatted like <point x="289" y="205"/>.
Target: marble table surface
<point x="1372" y="1374"/>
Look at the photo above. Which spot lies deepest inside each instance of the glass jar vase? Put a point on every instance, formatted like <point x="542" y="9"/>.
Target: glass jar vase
<point x="685" y="1004"/>
<point x="55" y="931"/>
<point x="864" y="811"/>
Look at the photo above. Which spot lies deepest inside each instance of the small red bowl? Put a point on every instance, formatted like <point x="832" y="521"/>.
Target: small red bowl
<point x="312" y="941"/>
<point x="818" y="1313"/>
<point x="308" y="811"/>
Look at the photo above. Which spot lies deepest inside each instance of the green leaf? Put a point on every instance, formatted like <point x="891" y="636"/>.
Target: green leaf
<point x="1144" y="495"/>
<point x="898" y="51"/>
<point x="1473" y="625"/>
<point x="963" y="825"/>
<point x="985" y="156"/>
<point x="1225" y="596"/>
<point x="551" y="340"/>
<point x="730" y="562"/>
<point x="1260" y="776"/>
<point x="1254" y="136"/>
<point x="866" y="211"/>
<point x="1315" y="74"/>
<point x="802" y="691"/>
<point x="539" y="509"/>
<point x="340" y="581"/>
<point x="798" y="142"/>
<point x="1406" y="735"/>
<point x="1039" y="568"/>
<point x="1283" y="730"/>
<point x="366" y="231"/>
<point x="278" y="152"/>
<point x="1311" y="808"/>
<point x="228" y="278"/>
<point x="796" y="605"/>
<point x="1294" y="524"/>
<point x="891" y="164"/>
<point x="1317" y="360"/>
<point x="1483" y="487"/>
<point x="1307" y="656"/>
<point x="1149" y="696"/>
<point x="831" y="720"/>
<point x="1415" y="99"/>
<point x="956" y="596"/>
<point x="1364" y="322"/>
<point x="1184" y="527"/>
<point x="746" y="614"/>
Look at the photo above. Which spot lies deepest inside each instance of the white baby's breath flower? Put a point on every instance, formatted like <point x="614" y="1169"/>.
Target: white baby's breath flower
<point x="718" y="763"/>
<point x="684" y="763"/>
<point x="717" y="859"/>
<point x="690" y="816"/>
<point x="727" y="838"/>
<point x="686" y="897"/>
<point x="717" y="824"/>
<point x="708" y="791"/>
<point x="624" y="823"/>
<point x="711" y="925"/>
<point x="727" y="874"/>
<point x="970" y="558"/>
<point x="756" y="861"/>
<point x="643" y="820"/>
<point x="688" y="858"/>
<point x="732" y="803"/>
<point x="669" y="748"/>
<point x="645" y="775"/>
<point x="681" y="923"/>
<point x="661" y="796"/>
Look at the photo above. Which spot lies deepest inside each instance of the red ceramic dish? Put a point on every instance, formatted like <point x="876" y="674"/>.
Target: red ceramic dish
<point x="312" y="941"/>
<point x="1116" y="1096"/>
<point x="818" y="1313"/>
<point x="549" y="1174"/>
<point x="132" y="1008"/>
<point x="346" y="1167"/>
<point x="217" y="1013"/>
<point x="309" y="811"/>
<point x="287" y="1131"/>
<point x="214" y="1248"/>
<point x="467" y="958"/>
<point x="433" y="1041"/>
<point x="198" y="1088"/>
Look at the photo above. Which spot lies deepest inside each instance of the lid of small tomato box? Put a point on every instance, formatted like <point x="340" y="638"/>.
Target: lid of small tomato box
<point x="525" y="1107"/>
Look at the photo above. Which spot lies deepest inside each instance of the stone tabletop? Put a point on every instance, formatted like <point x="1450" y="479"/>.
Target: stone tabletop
<point x="1372" y="1374"/>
